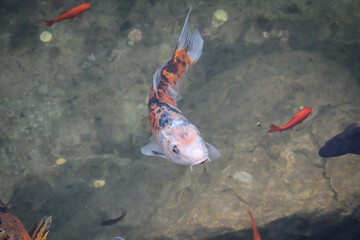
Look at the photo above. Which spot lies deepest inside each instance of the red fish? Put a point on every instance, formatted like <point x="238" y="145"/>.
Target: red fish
<point x="11" y="228"/>
<point x="255" y="231"/>
<point x="295" y="120"/>
<point x="71" y="14"/>
<point x="174" y="137"/>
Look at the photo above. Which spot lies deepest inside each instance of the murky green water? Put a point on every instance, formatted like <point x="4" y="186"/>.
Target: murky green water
<point x="82" y="97"/>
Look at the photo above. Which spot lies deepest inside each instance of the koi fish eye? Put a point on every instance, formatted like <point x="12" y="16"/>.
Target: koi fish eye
<point x="176" y="150"/>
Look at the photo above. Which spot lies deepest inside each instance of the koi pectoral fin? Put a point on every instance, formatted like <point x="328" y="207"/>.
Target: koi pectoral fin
<point x="212" y="151"/>
<point x="152" y="149"/>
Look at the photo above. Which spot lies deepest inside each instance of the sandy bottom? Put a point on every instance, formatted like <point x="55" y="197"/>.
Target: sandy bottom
<point x="82" y="97"/>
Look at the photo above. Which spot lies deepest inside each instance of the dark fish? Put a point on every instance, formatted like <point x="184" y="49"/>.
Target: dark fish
<point x="114" y="220"/>
<point x="346" y="142"/>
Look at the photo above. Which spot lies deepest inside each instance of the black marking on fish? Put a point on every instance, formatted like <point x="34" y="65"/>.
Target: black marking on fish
<point x="163" y="105"/>
<point x="157" y="153"/>
<point x="169" y="108"/>
<point x="165" y="120"/>
<point x="163" y="85"/>
<point x="171" y="67"/>
<point x="4" y="209"/>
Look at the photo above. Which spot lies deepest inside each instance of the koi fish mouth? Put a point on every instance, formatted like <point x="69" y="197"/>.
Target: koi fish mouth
<point x="201" y="161"/>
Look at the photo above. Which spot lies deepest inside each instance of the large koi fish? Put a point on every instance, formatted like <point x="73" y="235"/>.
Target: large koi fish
<point x="174" y="137"/>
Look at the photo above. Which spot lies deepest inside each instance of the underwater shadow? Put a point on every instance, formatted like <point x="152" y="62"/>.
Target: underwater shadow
<point x="315" y="226"/>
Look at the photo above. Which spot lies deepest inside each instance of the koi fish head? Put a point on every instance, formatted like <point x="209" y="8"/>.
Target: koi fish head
<point x="183" y="144"/>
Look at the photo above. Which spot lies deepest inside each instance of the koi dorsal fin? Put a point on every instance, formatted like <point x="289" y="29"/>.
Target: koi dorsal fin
<point x="40" y="230"/>
<point x="191" y="42"/>
<point x="156" y="79"/>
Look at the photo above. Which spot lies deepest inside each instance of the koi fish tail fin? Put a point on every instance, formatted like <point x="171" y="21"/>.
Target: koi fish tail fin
<point x="40" y="230"/>
<point x="191" y="42"/>
<point x="274" y="128"/>
<point x="49" y="23"/>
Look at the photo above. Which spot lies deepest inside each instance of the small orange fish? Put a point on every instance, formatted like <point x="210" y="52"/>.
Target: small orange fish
<point x="71" y="14"/>
<point x="255" y="231"/>
<point x="295" y="120"/>
<point x="11" y="228"/>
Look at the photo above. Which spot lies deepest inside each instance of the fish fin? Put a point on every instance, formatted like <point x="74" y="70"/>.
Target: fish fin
<point x="40" y="230"/>
<point x="212" y="151"/>
<point x="152" y="149"/>
<point x="178" y="96"/>
<point x="274" y="128"/>
<point x="175" y="94"/>
<point x="152" y="139"/>
<point x="49" y="23"/>
<point x="256" y="235"/>
<point x="191" y="42"/>
<point x="156" y="79"/>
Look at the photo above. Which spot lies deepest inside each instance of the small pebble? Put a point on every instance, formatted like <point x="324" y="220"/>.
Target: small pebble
<point x="221" y="15"/>
<point x="61" y="161"/>
<point x="243" y="176"/>
<point x="135" y="35"/>
<point x="10" y="113"/>
<point x="266" y="35"/>
<point x="219" y="18"/>
<point x="45" y="36"/>
<point x="99" y="183"/>
<point x="284" y="35"/>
